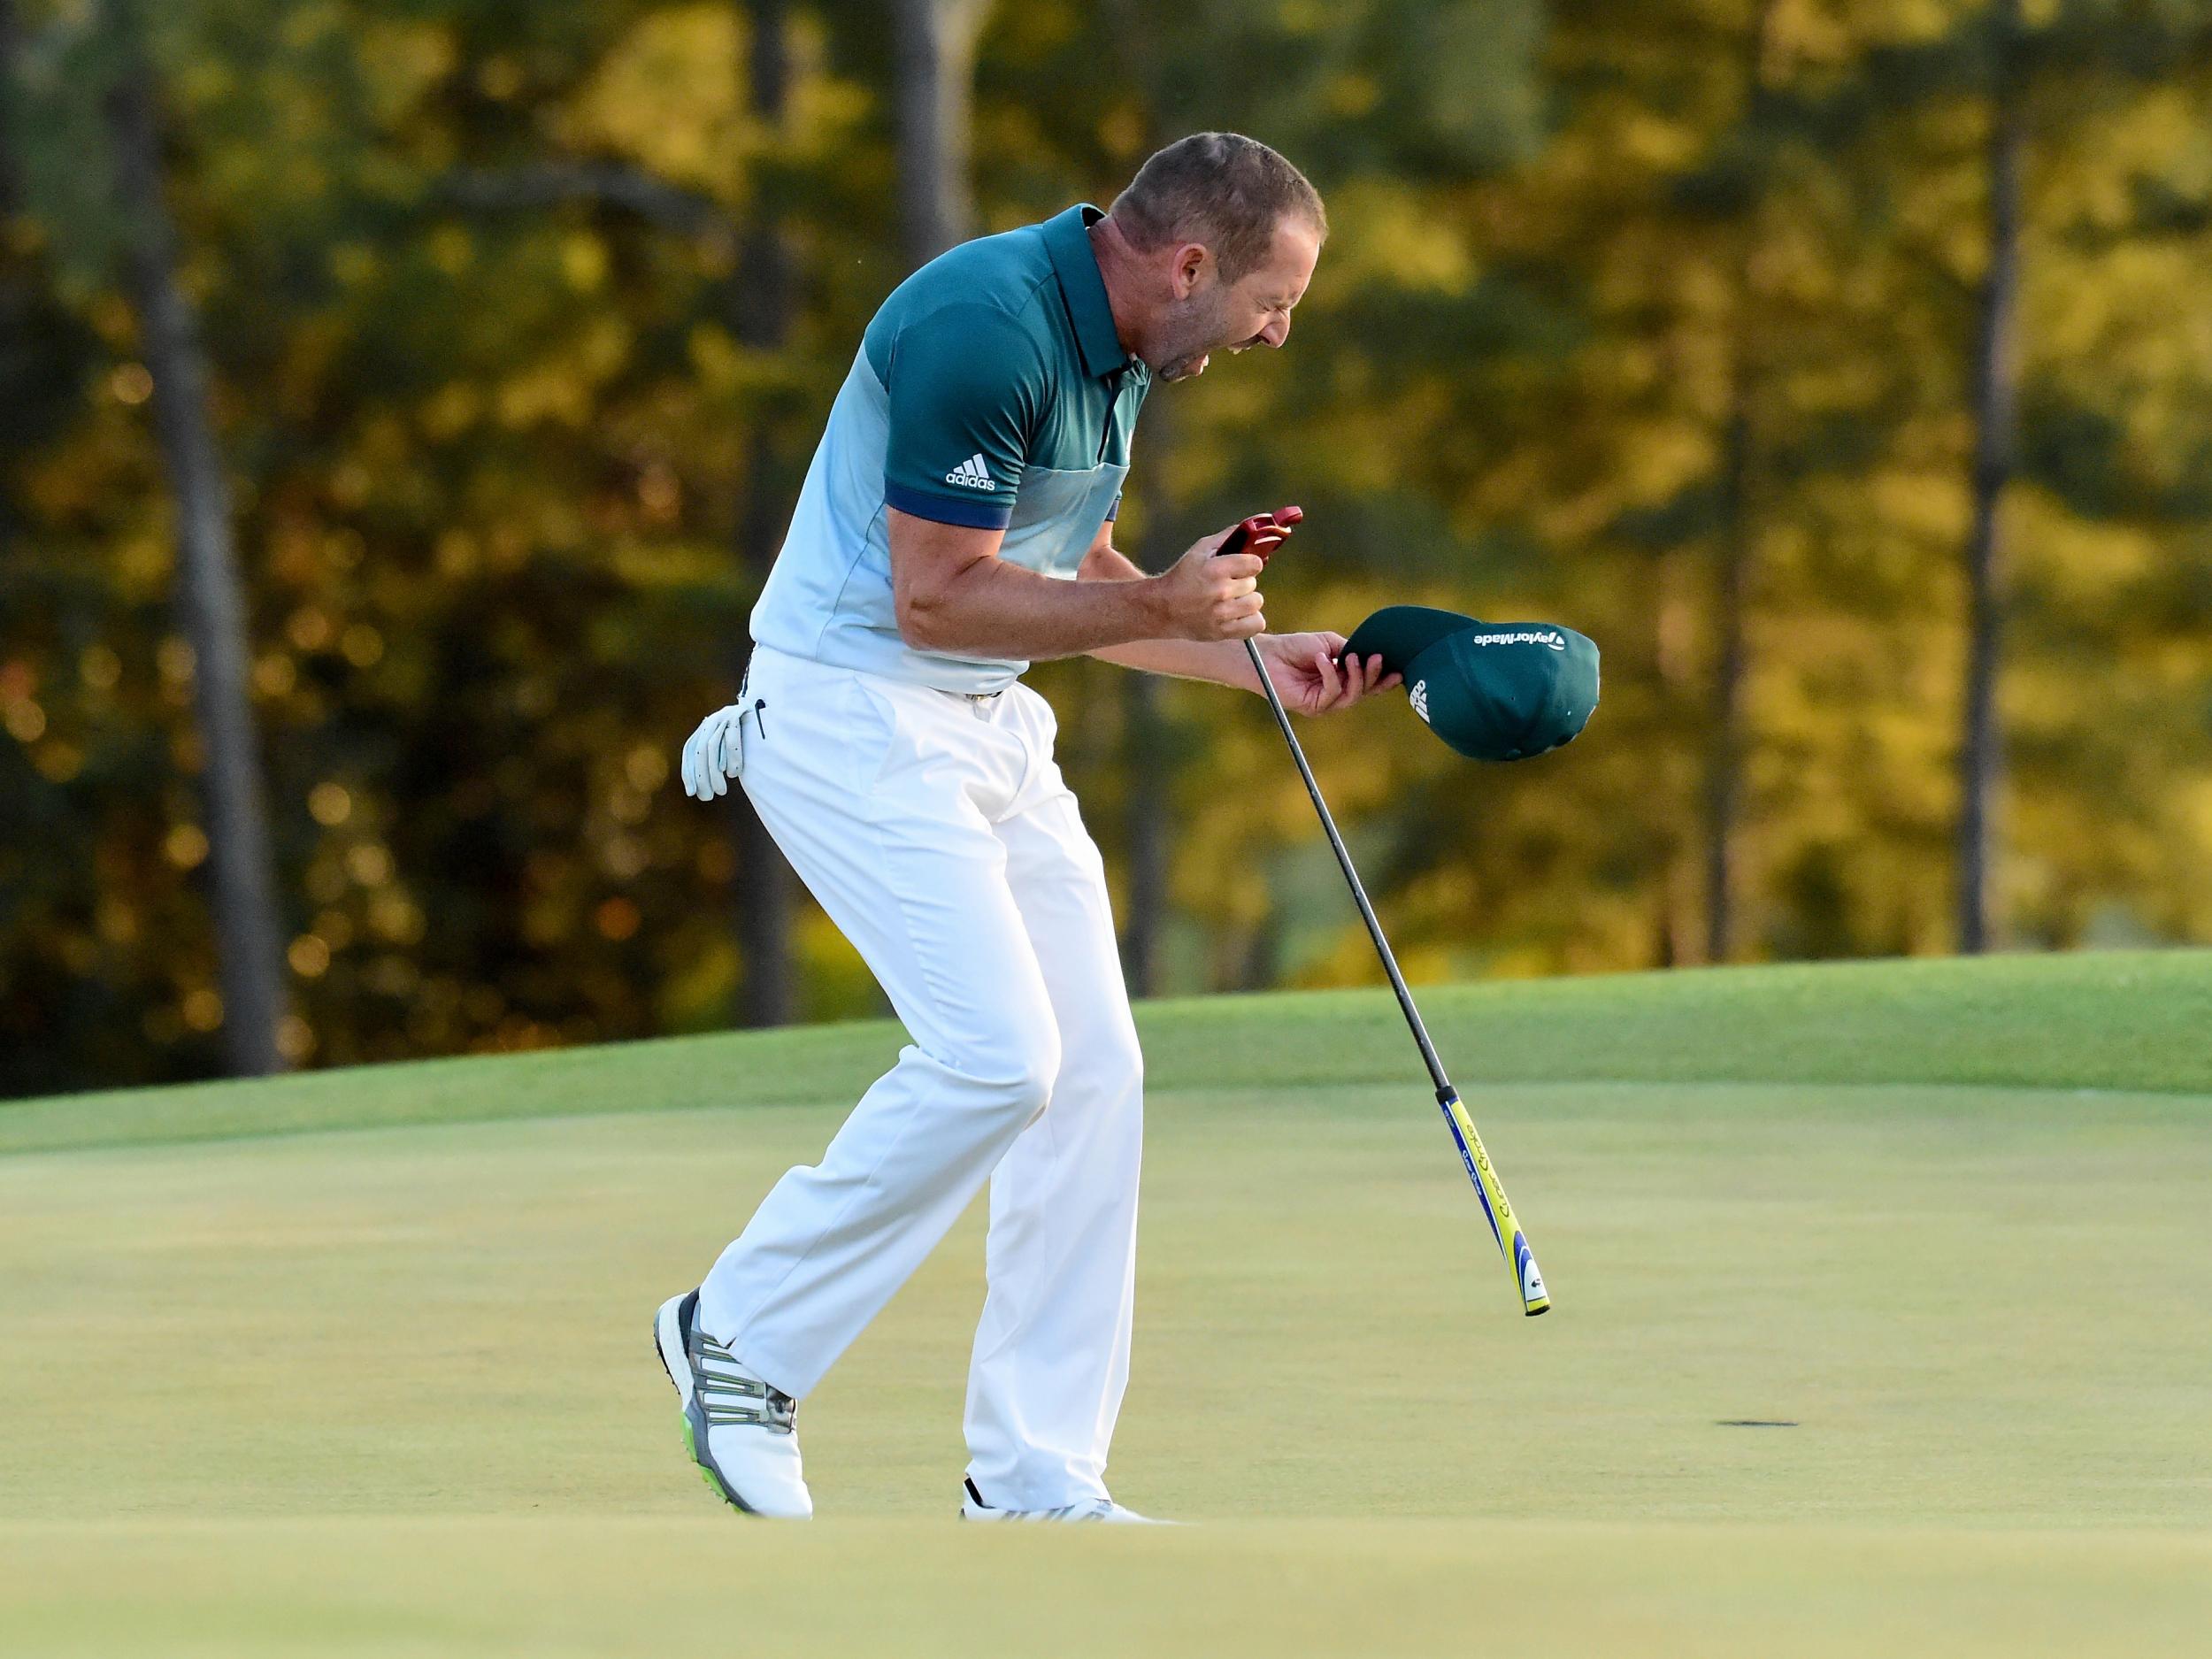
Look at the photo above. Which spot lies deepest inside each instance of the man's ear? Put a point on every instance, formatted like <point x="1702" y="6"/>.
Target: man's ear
<point x="1190" y="260"/>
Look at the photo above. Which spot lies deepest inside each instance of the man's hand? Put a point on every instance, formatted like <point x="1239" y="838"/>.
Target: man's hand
<point x="1304" y="670"/>
<point x="1203" y="597"/>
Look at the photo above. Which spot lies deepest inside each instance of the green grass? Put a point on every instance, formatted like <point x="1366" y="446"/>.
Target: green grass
<point x="2133" y="1020"/>
<point x="358" y="1364"/>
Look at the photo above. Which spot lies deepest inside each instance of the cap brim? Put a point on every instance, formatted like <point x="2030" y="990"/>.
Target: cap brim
<point x="1398" y="633"/>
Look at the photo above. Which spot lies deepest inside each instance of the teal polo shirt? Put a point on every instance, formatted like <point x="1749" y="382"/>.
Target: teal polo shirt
<point x="990" y="391"/>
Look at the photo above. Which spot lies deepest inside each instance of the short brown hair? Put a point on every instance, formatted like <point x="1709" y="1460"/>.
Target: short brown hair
<point x="1221" y="189"/>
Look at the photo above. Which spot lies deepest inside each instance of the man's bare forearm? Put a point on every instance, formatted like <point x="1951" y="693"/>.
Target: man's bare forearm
<point x="1224" y="661"/>
<point x="955" y="594"/>
<point x="994" y="609"/>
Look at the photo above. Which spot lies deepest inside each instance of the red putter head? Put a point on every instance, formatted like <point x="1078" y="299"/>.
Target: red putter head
<point x="1262" y="533"/>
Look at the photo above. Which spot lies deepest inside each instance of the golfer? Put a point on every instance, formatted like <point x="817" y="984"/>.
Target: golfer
<point x="956" y="524"/>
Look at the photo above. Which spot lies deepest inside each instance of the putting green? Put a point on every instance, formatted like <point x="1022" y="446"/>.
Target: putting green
<point x="346" y="1382"/>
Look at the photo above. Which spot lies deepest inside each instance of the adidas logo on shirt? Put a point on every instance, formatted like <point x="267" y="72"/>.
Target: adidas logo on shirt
<point x="972" y="473"/>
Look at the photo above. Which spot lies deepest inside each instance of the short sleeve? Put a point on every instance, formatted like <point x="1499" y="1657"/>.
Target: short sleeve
<point x="966" y="385"/>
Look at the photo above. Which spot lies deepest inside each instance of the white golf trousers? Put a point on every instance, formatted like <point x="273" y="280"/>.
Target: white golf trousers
<point x="937" y="833"/>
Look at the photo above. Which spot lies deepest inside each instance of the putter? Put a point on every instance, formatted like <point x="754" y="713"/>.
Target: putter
<point x="1271" y="527"/>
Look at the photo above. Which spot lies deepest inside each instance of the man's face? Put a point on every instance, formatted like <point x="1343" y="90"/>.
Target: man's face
<point x="1209" y="317"/>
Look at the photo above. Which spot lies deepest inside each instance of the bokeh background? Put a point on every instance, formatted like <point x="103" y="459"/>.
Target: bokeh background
<point x="401" y="402"/>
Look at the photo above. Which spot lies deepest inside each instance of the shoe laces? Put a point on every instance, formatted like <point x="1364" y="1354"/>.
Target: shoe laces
<point x="731" y="1395"/>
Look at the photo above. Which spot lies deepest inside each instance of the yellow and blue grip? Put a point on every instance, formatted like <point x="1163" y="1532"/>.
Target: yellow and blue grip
<point x="1512" y="1243"/>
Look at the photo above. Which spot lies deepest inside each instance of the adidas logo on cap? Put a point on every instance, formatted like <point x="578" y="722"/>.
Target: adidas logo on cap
<point x="972" y="473"/>
<point x="1420" y="697"/>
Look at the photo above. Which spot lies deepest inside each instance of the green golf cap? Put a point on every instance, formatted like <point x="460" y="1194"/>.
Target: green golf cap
<point x="1493" y="690"/>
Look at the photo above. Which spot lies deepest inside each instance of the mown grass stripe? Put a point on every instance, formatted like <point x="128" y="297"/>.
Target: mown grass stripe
<point x="2133" y="1020"/>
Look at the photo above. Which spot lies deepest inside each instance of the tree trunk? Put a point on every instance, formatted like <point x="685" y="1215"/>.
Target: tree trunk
<point x="1738" y="539"/>
<point x="935" y="41"/>
<point x="1994" y="390"/>
<point x="209" y="597"/>
<point x="1678" y="578"/>
<point x="1725" y="761"/>
<point x="761" y="307"/>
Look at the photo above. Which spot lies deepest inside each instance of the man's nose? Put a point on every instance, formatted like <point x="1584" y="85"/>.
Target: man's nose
<point x="1277" y="331"/>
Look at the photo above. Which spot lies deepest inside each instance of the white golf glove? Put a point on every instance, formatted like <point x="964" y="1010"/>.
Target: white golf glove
<point x="715" y="753"/>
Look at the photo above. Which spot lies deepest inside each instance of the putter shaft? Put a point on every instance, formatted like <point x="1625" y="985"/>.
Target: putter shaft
<point x="1512" y="1243"/>
<point x="1351" y="876"/>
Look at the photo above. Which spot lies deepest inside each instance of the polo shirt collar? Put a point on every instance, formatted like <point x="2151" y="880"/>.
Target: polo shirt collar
<point x="1067" y="236"/>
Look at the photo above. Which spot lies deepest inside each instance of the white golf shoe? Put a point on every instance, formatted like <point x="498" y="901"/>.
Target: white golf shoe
<point x="973" y="1509"/>
<point x="742" y="1433"/>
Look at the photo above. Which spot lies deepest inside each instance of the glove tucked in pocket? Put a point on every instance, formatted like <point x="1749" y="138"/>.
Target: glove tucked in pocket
<point x="715" y="753"/>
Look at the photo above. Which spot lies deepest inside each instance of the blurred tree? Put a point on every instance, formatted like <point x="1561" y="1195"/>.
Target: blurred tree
<point x="1752" y="144"/>
<point x="761" y="295"/>
<point x="210" y="598"/>
<point x="24" y="308"/>
<point x="936" y="46"/>
<point x="47" y="948"/>
<point x="1994" y="393"/>
<point x="2108" y="563"/>
<point x="1629" y="320"/>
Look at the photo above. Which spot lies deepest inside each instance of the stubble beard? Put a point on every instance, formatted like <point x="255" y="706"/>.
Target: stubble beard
<point x="1193" y="332"/>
